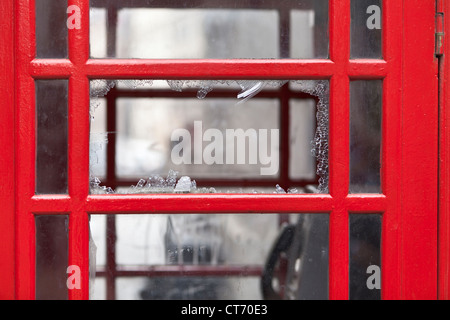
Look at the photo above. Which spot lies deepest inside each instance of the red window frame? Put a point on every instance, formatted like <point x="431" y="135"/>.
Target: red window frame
<point x="410" y="148"/>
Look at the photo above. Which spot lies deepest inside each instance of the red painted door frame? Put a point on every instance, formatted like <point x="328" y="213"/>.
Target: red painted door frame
<point x="444" y="160"/>
<point x="410" y="150"/>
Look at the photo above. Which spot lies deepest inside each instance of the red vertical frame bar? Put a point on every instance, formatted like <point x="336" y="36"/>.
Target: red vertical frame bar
<point x="79" y="150"/>
<point x="25" y="140"/>
<point x="392" y="33"/>
<point x="444" y="163"/>
<point x="339" y="148"/>
<point x="7" y="186"/>
<point x="419" y="167"/>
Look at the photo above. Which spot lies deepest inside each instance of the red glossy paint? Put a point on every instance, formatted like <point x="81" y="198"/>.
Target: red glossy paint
<point x="444" y="160"/>
<point x="7" y="234"/>
<point x="409" y="202"/>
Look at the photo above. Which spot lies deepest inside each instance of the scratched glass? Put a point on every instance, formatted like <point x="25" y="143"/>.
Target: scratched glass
<point x="209" y="29"/>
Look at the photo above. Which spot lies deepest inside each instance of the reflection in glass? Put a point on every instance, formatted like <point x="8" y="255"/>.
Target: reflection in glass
<point x="365" y="136"/>
<point x="209" y="29"/>
<point x="365" y="256"/>
<point x="51" y="29"/>
<point x="223" y="256"/>
<point x="52" y="241"/>
<point x="366" y="26"/>
<point x="51" y="136"/>
<point x="208" y="135"/>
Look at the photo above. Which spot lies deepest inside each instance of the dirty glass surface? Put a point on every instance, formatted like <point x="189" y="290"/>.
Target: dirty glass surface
<point x="365" y="135"/>
<point x="209" y="29"/>
<point x="252" y="246"/>
<point x="208" y="136"/>
<point x="52" y="254"/>
<point x="366" y="29"/>
<point x="51" y="136"/>
<point x="51" y="29"/>
<point x="365" y="257"/>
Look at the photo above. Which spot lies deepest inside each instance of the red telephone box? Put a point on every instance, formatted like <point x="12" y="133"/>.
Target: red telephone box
<point x="414" y="176"/>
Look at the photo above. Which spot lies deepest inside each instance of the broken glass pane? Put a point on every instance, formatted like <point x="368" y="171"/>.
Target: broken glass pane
<point x="196" y="136"/>
<point x="209" y="29"/>
<point x="365" y="136"/>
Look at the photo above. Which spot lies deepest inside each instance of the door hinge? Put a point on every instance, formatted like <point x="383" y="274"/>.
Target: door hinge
<point x="440" y="34"/>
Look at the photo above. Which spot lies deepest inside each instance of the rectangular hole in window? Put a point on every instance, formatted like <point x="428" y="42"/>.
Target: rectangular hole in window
<point x="209" y="29"/>
<point x="365" y="256"/>
<point x="209" y="136"/>
<point x="52" y="242"/>
<point x="51" y="136"/>
<point x="277" y="256"/>
<point x="365" y="136"/>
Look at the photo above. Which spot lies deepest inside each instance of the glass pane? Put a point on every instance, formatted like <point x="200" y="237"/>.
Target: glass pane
<point x="206" y="134"/>
<point x="52" y="242"/>
<point x="365" y="256"/>
<point x="366" y="24"/>
<point x="51" y="29"/>
<point x="51" y="136"/>
<point x="209" y="29"/>
<point x="237" y="256"/>
<point x="365" y="135"/>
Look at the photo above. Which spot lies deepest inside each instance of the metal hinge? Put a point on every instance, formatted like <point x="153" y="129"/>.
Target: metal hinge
<point x="440" y="35"/>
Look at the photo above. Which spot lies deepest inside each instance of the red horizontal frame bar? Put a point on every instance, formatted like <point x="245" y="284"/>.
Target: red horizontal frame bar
<point x="268" y="69"/>
<point x="210" y="203"/>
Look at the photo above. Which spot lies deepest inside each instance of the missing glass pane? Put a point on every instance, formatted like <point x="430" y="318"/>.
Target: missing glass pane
<point x="199" y="136"/>
<point x="209" y="29"/>
<point x="365" y="257"/>
<point x="51" y="136"/>
<point x="52" y="242"/>
<point x="365" y="136"/>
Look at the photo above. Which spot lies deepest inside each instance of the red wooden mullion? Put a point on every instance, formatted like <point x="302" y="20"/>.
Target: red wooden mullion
<point x="209" y="69"/>
<point x="339" y="148"/>
<point x="79" y="150"/>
